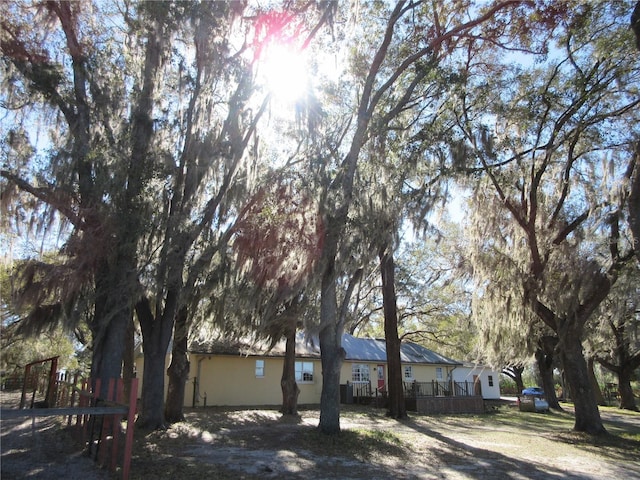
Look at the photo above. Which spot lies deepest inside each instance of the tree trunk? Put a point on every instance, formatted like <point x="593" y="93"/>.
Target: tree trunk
<point x="623" y="364"/>
<point x="594" y="383"/>
<point x="627" y="399"/>
<point x="545" y="367"/>
<point x="515" y="373"/>
<point x="113" y="316"/>
<point x="108" y="352"/>
<point x="178" y="371"/>
<point x="548" y="345"/>
<point x="152" y="402"/>
<point x="155" y="345"/>
<point x="587" y="415"/>
<point x="331" y="354"/>
<point x="634" y="202"/>
<point x="290" y="390"/>
<point x="397" y="406"/>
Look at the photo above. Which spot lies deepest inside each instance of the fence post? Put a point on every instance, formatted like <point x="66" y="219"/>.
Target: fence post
<point x="51" y="387"/>
<point x="116" y="424"/>
<point x="23" y="398"/>
<point x="195" y="388"/>
<point x="128" y="443"/>
<point x="94" y="393"/>
<point x="84" y="400"/>
<point x="105" y="425"/>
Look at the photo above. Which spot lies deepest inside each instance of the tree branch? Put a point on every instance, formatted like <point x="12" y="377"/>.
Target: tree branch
<point x="59" y="201"/>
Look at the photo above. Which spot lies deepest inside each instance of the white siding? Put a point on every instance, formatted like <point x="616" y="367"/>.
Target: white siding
<point x="466" y="374"/>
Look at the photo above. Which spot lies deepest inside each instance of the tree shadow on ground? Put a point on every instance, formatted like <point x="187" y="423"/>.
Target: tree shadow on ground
<point x="261" y="443"/>
<point x="614" y="447"/>
<point x="478" y="463"/>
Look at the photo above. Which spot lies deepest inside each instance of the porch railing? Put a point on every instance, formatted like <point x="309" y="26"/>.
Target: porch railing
<point x="439" y="389"/>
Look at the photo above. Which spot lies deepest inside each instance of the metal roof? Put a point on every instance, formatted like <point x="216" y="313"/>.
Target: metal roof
<point x="356" y="348"/>
<point x="375" y="350"/>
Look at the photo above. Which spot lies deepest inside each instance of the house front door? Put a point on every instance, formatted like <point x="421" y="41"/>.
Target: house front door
<point x="380" y="377"/>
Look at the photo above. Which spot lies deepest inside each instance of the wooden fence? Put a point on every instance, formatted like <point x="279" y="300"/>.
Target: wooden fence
<point x="447" y="405"/>
<point x="96" y="413"/>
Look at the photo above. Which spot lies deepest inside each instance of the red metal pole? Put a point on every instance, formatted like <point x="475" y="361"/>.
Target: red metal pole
<point x="131" y="417"/>
<point x="117" y="420"/>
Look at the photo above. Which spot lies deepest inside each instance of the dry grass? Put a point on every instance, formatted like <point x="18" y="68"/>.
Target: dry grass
<point x="260" y="443"/>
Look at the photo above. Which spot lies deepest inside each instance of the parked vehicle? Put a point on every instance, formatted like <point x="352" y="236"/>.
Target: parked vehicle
<point x="532" y="400"/>
<point x="533" y="391"/>
<point x="541" y="405"/>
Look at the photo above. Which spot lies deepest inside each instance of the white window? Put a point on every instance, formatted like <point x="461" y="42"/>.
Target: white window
<point x="360" y="372"/>
<point x="491" y="380"/>
<point x="304" y="372"/>
<point x="408" y="372"/>
<point x="439" y="375"/>
<point x="259" y="368"/>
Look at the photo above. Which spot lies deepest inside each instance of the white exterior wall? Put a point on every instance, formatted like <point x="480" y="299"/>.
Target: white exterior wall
<point x="467" y="373"/>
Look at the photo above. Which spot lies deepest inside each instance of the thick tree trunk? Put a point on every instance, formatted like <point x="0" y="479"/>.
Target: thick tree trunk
<point x="594" y="383"/>
<point x="545" y="367"/>
<point x="587" y="415"/>
<point x="155" y="345"/>
<point x="397" y="406"/>
<point x="331" y="355"/>
<point x="113" y="316"/>
<point x="290" y="390"/>
<point x="627" y="399"/>
<point x="152" y="402"/>
<point x="178" y="370"/>
<point x="108" y="352"/>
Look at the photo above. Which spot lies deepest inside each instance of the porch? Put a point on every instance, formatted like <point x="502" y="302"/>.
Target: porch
<point x="443" y="397"/>
<point x="422" y="397"/>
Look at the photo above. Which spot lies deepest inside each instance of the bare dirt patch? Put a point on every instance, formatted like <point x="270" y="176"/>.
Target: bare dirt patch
<point x="41" y="448"/>
<point x="261" y="444"/>
<point x="507" y="444"/>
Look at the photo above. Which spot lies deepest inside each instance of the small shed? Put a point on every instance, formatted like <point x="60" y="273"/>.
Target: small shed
<point x="485" y="379"/>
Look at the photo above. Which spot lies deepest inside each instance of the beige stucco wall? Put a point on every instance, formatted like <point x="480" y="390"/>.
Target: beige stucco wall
<point x="231" y="380"/>
<point x="427" y="373"/>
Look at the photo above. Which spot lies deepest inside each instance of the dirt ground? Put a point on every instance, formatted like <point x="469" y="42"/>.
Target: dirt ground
<point x="40" y="449"/>
<point x="261" y="444"/>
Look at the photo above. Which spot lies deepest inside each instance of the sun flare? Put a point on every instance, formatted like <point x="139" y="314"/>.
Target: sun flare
<point x="283" y="70"/>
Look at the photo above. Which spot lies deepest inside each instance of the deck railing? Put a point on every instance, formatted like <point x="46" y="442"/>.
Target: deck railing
<point x="362" y="389"/>
<point x="439" y="389"/>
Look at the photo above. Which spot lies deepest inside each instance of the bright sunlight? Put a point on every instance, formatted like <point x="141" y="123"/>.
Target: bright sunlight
<point x="283" y="69"/>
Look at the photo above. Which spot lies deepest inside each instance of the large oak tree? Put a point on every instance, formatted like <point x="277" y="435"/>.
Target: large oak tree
<point x="429" y="33"/>
<point x="554" y="141"/>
